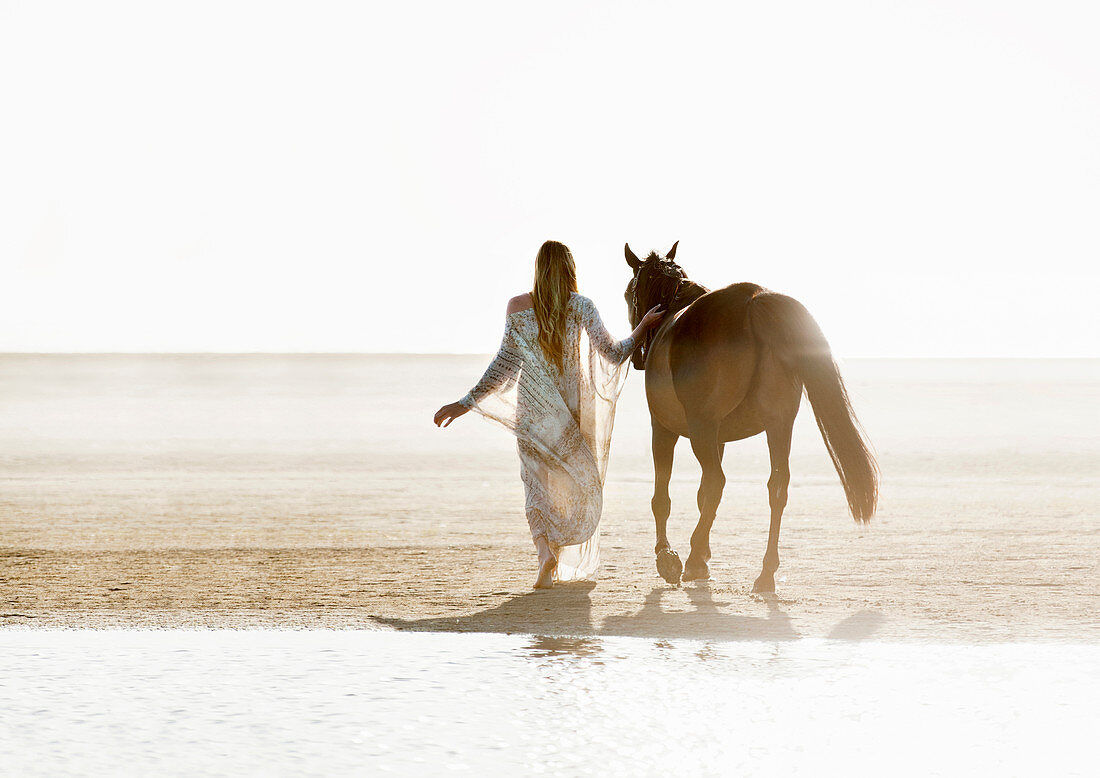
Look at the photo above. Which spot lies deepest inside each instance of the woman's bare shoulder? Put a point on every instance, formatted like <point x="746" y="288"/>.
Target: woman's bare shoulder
<point x="520" y="302"/>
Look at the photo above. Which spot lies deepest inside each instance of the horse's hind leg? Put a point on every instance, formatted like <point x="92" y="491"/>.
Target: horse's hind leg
<point x="779" y="450"/>
<point x="704" y="442"/>
<point x="664" y="445"/>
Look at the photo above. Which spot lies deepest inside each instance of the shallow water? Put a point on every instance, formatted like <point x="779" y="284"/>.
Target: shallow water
<point x="189" y="702"/>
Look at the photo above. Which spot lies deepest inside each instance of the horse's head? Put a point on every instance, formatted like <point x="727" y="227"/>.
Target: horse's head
<point x="656" y="281"/>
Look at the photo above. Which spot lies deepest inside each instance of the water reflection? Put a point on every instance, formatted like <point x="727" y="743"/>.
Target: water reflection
<point x="547" y="646"/>
<point x="94" y="702"/>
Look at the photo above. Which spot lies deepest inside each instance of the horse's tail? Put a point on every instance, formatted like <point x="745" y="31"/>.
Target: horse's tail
<point x="785" y="325"/>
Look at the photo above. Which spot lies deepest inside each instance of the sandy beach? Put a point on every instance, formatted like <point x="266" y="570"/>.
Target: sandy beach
<point x="313" y="491"/>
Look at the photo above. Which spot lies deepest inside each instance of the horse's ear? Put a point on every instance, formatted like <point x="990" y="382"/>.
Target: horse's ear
<point x="672" y="251"/>
<point x="632" y="259"/>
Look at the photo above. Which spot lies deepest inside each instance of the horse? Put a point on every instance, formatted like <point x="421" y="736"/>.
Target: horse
<point x="726" y="365"/>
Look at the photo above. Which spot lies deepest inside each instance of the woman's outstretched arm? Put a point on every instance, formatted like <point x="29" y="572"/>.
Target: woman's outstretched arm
<point x="502" y="370"/>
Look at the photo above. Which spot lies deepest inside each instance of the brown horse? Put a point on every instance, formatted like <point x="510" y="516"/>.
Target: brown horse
<point x="727" y="365"/>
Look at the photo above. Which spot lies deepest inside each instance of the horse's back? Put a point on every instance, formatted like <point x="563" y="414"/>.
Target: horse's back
<point x="717" y="319"/>
<point x="703" y="364"/>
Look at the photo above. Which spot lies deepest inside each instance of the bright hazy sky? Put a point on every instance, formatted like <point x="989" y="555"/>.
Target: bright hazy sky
<point x="227" y="176"/>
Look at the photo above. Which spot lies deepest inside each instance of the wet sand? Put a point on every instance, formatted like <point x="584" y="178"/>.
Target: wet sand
<point x="313" y="491"/>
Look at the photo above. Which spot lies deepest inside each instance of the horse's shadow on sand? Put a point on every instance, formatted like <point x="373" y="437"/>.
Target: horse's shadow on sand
<point x="704" y="621"/>
<point x="566" y="610"/>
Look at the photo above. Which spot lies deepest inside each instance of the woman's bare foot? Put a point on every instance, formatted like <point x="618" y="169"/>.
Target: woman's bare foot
<point x="548" y="563"/>
<point x="546" y="573"/>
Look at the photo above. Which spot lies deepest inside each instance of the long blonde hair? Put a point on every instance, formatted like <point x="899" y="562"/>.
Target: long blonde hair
<point x="555" y="278"/>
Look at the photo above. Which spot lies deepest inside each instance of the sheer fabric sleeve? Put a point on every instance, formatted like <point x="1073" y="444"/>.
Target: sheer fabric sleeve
<point x="500" y="373"/>
<point x="612" y="350"/>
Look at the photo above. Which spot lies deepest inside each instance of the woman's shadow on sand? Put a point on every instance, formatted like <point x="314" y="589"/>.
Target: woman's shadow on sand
<point x="566" y="610"/>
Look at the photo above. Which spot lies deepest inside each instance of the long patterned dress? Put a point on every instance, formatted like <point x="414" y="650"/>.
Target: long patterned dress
<point x="562" y="421"/>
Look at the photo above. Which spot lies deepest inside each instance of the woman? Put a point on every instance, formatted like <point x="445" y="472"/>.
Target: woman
<point x="554" y="384"/>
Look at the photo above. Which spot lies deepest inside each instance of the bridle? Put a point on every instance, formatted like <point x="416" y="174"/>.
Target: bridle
<point x="666" y="269"/>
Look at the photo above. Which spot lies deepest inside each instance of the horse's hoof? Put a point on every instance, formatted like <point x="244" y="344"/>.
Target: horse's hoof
<point x="669" y="566"/>
<point x="696" y="571"/>
<point x="764" y="586"/>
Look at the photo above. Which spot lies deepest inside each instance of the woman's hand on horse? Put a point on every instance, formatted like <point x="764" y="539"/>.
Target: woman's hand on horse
<point x="652" y="317"/>
<point x="449" y="413"/>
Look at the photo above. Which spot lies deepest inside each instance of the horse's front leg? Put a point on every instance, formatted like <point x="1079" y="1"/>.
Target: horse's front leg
<point x="704" y="442"/>
<point x="664" y="445"/>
